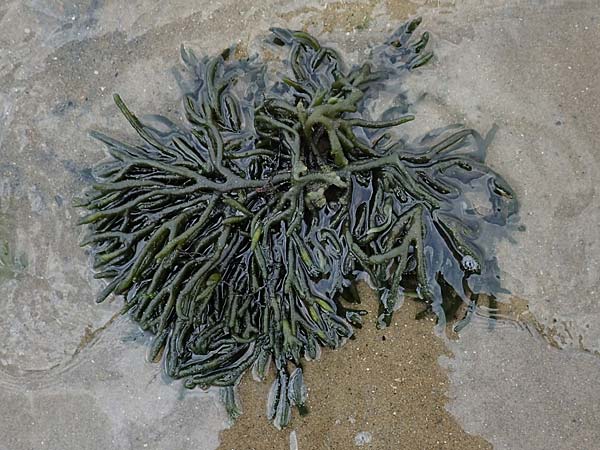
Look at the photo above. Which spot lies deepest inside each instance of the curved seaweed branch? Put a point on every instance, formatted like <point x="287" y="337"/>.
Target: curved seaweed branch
<point x="236" y="238"/>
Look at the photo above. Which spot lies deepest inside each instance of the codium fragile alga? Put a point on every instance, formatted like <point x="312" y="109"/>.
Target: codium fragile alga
<point x="236" y="238"/>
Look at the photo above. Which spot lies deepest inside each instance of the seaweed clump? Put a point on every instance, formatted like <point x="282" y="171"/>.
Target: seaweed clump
<point x="237" y="237"/>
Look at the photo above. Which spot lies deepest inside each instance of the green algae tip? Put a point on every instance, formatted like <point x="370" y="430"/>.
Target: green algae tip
<point x="236" y="238"/>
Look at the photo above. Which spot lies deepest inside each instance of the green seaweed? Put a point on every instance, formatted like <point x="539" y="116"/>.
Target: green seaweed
<point x="236" y="238"/>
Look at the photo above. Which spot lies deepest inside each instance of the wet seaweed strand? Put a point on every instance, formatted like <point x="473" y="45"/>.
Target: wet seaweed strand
<point x="236" y="238"/>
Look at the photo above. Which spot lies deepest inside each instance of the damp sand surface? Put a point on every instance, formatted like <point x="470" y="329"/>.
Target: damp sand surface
<point x="383" y="390"/>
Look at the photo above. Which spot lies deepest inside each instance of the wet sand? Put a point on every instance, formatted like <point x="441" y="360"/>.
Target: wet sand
<point x="385" y="384"/>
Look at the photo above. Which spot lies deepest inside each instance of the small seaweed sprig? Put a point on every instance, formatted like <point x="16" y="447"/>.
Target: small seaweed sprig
<point x="236" y="238"/>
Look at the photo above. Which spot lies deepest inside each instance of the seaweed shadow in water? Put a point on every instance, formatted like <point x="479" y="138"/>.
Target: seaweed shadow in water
<point x="236" y="237"/>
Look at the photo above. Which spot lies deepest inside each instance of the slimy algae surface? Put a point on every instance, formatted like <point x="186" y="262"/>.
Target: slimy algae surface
<point x="237" y="237"/>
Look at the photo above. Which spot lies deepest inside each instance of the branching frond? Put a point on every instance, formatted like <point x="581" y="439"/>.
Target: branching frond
<point x="236" y="238"/>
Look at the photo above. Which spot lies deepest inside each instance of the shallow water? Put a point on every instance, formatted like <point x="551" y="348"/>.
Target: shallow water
<point x="71" y="376"/>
